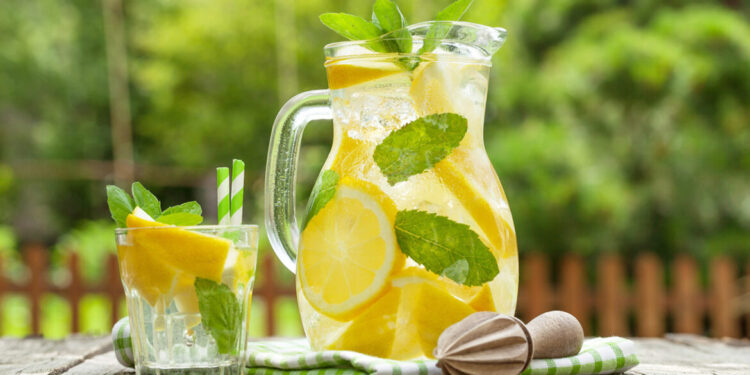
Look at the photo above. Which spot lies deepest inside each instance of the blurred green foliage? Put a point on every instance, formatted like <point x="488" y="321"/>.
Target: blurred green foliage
<point x="614" y="125"/>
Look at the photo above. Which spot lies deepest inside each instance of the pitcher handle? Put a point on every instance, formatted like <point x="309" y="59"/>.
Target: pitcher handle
<point x="281" y="170"/>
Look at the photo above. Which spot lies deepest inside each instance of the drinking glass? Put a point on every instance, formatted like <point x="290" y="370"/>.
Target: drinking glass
<point x="188" y="292"/>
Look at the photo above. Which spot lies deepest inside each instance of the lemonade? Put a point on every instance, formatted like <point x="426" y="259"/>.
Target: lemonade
<point x="350" y="268"/>
<point x="408" y="229"/>
<point x="188" y="290"/>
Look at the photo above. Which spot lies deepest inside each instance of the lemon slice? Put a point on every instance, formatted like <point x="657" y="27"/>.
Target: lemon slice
<point x="348" y="250"/>
<point x="372" y="332"/>
<point x="493" y="221"/>
<point x="193" y="253"/>
<point x="341" y="75"/>
<point x="435" y="311"/>
<point x="351" y="156"/>
<point x="430" y="88"/>
<point x="427" y="308"/>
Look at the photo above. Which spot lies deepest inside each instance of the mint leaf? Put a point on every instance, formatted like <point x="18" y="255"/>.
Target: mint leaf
<point x="418" y="145"/>
<point x="146" y="200"/>
<point x="354" y="28"/>
<point x="438" y="31"/>
<point x="120" y="204"/>
<point x="455" y="11"/>
<point x="387" y="16"/>
<point x="322" y="193"/>
<point x="191" y="207"/>
<point x="445" y="247"/>
<point x="220" y="313"/>
<point x="181" y="219"/>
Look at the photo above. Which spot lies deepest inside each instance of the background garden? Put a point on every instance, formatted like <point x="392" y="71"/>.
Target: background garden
<point x="615" y="126"/>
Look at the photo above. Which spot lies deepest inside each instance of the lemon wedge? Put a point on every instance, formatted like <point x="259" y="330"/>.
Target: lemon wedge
<point x="193" y="253"/>
<point x="435" y="310"/>
<point x="142" y="272"/>
<point x="348" y="250"/>
<point x="372" y="332"/>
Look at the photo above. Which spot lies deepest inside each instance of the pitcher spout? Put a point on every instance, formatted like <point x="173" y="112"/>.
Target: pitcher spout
<point x="458" y="38"/>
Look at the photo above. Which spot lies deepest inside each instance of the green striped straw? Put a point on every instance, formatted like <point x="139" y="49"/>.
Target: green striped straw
<point x="222" y="196"/>
<point x="238" y="183"/>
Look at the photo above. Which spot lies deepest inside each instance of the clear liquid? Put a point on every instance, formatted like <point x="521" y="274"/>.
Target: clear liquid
<point x="465" y="188"/>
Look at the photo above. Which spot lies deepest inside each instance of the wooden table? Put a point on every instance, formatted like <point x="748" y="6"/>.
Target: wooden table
<point x="673" y="354"/>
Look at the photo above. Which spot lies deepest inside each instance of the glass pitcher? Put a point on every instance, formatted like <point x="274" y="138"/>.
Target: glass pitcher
<point x="407" y="230"/>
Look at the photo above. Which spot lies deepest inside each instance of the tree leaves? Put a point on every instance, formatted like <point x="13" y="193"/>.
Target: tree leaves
<point x="418" y="145"/>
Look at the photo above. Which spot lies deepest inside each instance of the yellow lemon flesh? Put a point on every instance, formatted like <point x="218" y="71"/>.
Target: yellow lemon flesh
<point x="162" y="264"/>
<point x="491" y="221"/>
<point x="435" y="311"/>
<point x="348" y="250"/>
<point x="428" y="306"/>
<point x="372" y="332"/>
<point x="193" y="253"/>
<point x="429" y="89"/>
<point x="142" y="272"/>
<point x="342" y="75"/>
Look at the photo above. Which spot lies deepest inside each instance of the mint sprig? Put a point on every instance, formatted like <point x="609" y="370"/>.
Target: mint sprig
<point x="419" y="145"/>
<point x="220" y="313"/>
<point x="121" y="204"/>
<point x="388" y="18"/>
<point x="438" y="31"/>
<point x="146" y="200"/>
<point x="445" y="247"/>
<point x="322" y="193"/>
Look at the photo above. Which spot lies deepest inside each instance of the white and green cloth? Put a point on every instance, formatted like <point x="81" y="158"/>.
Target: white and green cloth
<point x="604" y="355"/>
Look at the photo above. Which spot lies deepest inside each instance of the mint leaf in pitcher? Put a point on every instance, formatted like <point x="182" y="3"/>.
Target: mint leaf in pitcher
<point x="220" y="312"/>
<point x="419" y="145"/>
<point x="445" y="247"/>
<point x="322" y="193"/>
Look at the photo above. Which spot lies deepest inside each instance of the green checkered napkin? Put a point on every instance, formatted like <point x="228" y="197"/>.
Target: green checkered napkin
<point x="605" y="355"/>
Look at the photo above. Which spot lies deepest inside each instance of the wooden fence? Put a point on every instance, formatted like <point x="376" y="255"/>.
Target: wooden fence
<point x="609" y="295"/>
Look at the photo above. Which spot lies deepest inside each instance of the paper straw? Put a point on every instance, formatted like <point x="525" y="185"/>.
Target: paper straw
<point x="238" y="183"/>
<point x="222" y="194"/>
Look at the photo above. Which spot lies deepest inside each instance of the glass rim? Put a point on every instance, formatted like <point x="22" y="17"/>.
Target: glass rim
<point x="215" y="227"/>
<point x="330" y="48"/>
<point x="387" y="56"/>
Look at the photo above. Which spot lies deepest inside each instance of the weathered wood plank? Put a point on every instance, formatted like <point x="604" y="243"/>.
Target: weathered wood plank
<point x="691" y="354"/>
<point x="102" y="364"/>
<point x="79" y="355"/>
<point x="40" y="356"/>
